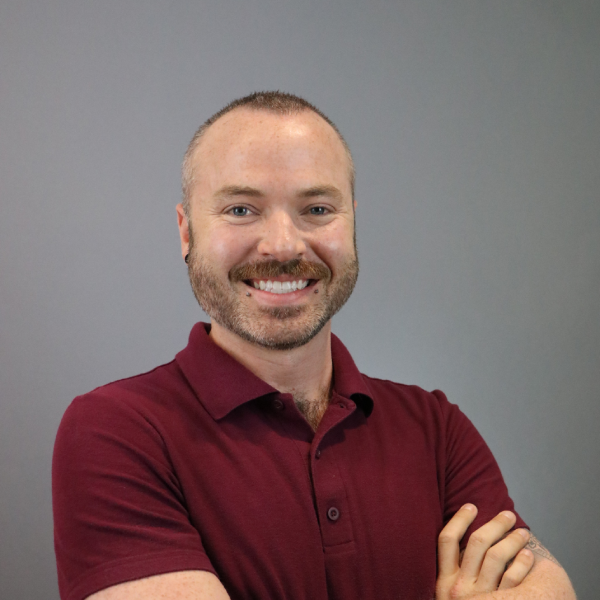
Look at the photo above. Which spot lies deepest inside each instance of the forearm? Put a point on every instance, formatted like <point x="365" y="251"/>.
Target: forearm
<point x="497" y="564"/>
<point x="546" y="581"/>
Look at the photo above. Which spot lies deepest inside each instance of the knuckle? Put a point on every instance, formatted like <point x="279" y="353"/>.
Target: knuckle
<point x="478" y="538"/>
<point x="446" y="537"/>
<point x="495" y="555"/>
<point x="509" y="580"/>
<point x="517" y="540"/>
<point x="455" y="592"/>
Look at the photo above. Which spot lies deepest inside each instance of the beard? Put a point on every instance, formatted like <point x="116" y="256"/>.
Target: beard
<point x="275" y="327"/>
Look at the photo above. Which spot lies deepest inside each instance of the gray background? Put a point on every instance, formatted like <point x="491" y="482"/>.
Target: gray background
<point x="476" y="132"/>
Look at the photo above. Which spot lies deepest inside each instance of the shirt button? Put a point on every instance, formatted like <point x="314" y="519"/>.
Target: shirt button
<point x="318" y="454"/>
<point x="333" y="514"/>
<point x="278" y="404"/>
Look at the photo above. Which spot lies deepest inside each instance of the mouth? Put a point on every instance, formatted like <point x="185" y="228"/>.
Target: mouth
<point x="280" y="286"/>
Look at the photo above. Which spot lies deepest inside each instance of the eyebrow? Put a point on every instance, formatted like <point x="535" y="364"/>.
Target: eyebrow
<point x="239" y="190"/>
<point x="321" y="190"/>
<point x="312" y="192"/>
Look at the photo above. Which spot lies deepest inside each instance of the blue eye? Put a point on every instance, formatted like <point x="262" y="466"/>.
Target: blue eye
<point x="239" y="211"/>
<point x="318" y="210"/>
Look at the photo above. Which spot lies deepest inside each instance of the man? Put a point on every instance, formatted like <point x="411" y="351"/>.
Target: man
<point x="260" y="463"/>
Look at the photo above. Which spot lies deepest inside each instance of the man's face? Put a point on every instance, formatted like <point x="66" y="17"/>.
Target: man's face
<point x="271" y="249"/>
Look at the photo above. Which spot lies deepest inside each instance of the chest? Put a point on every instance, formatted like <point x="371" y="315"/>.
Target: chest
<point x="352" y="512"/>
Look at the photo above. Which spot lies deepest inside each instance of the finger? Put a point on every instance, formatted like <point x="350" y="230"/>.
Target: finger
<point x="518" y="570"/>
<point x="496" y="559"/>
<point x="481" y="541"/>
<point x="449" y="538"/>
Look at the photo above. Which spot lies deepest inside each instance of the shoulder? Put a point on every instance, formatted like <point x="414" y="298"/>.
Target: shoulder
<point x="139" y="392"/>
<point x="410" y="397"/>
<point x="139" y="403"/>
<point x="150" y="385"/>
<point x="412" y="407"/>
<point x="130" y="424"/>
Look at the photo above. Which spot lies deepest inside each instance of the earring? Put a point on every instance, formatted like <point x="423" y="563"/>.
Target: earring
<point x="187" y="259"/>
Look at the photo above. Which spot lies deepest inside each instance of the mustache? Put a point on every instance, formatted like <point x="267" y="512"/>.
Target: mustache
<point x="266" y="269"/>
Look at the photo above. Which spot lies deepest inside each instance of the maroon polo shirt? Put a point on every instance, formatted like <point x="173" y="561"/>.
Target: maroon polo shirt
<point x="199" y="464"/>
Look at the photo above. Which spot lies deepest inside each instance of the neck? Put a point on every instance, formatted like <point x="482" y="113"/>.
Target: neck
<point x="305" y="372"/>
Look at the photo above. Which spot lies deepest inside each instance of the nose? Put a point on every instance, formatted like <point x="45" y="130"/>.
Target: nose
<point x="281" y="239"/>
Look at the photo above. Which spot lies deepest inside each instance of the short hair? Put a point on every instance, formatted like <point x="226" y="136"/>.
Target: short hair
<point x="277" y="102"/>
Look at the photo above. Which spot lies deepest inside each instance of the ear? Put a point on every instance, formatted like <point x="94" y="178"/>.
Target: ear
<point x="355" y="205"/>
<point x="184" y="231"/>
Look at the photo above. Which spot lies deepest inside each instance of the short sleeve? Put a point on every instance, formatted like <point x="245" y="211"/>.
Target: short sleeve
<point x="471" y="473"/>
<point x="119" y="512"/>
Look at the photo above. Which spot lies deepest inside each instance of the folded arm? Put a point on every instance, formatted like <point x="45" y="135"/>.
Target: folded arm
<point x="497" y="565"/>
<point x="547" y="579"/>
<point x="182" y="585"/>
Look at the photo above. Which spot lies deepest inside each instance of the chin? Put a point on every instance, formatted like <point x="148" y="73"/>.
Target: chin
<point x="283" y="328"/>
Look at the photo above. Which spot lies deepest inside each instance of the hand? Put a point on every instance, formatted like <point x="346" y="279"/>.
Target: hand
<point x="484" y="565"/>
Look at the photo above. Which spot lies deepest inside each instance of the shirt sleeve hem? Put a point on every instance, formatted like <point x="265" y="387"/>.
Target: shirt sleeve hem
<point x="138" y="567"/>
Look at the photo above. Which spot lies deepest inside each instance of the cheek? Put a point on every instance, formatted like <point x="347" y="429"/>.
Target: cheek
<point x="224" y="247"/>
<point x="337" y="245"/>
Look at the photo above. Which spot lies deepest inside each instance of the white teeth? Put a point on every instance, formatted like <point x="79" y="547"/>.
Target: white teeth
<point x="280" y="287"/>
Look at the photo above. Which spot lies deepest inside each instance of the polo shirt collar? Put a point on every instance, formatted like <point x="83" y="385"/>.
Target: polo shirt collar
<point x="348" y="381"/>
<point x="222" y="384"/>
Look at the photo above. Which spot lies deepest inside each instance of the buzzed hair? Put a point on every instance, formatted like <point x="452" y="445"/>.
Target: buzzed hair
<point x="276" y="102"/>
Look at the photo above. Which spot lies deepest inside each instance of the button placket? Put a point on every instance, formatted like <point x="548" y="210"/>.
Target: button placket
<point x="328" y="484"/>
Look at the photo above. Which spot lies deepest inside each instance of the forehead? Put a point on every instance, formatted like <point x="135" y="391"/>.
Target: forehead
<point x="246" y="141"/>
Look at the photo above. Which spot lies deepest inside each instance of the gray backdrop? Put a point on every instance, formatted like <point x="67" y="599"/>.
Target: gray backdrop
<point x="476" y="132"/>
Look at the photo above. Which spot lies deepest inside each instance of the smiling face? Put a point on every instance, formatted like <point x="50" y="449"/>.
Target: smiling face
<point x="271" y="226"/>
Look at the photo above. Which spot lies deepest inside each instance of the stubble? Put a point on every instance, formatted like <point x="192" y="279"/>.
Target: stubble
<point x="277" y="327"/>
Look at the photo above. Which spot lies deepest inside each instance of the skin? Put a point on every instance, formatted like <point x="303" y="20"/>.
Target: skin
<point x="281" y="170"/>
<point x="497" y="563"/>
<point x="268" y="164"/>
